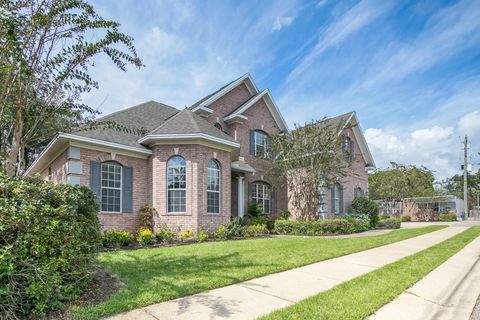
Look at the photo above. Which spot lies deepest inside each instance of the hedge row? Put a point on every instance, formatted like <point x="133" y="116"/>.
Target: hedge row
<point x="320" y="227"/>
<point x="49" y="235"/>
<point x="447" y="217"/>
<point x="390" y="223"/>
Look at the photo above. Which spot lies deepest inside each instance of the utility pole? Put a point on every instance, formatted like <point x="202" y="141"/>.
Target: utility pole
<point x="465" y="175"/>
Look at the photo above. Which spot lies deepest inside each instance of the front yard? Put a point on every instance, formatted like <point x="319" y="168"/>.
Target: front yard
<point x="161" y="274"/>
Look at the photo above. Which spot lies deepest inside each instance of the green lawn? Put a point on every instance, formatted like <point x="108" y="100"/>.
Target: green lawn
<point x="362" y="296"/>
<point x="161" y="274"/>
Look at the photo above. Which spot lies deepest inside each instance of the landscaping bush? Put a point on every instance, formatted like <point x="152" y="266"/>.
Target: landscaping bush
<point x="364" y="205"/>
<point x="255" y="210"/>
<point x="116" y="238"/>
<point x="406" y="218"/>
<point x="202" y="236"/>
<point x="320" y="227"/>
<point x="146" y="217"/>
<point x="49" y="236"/>
<point x="260" y="220"/>
<point x="186" y="235"/>
<point x="384" y="216"/>
<point x="145" y="237"/>
<point x="256" y="230"/>
<point x="284" y="215"/>
<point x="390" y="223"/>
<point x="234" y="228"/>
<point x="363" y="218"/>
<point x="164" y="234"/>
<point x="220" y="233"/>
<point x="447" y="217"/>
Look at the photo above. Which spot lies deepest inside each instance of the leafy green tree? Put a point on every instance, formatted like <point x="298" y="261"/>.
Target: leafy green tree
<point x="46" y="50"/>
<point x="401" y="181"/>
<point x="454" y="185"/>
<point x="306" y="160"/>
<point x="366" y="206"/>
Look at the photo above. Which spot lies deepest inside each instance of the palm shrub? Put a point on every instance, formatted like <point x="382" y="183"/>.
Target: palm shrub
<point x="49" y="237"/>
<point x="364" y="205"/>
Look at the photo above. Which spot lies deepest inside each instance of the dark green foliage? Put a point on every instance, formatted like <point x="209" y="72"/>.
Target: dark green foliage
<point x="284" y="215"/>
<point x="390" y="223"/>
<point x="255" y="210"/>
<point x="319" y="227"/>
<point x="447" y="217"/>
<point x="234" y="228"/>
<point x="383" y="216"/>
<point x="49" y="236"/>
<point x="164" y="234"/>
<point x="364" y="205"/>
<point x="117" y="238"/>
<point x="406" y="218"/>
<point x="256" y="230"/>
<point x="365" y="219"/>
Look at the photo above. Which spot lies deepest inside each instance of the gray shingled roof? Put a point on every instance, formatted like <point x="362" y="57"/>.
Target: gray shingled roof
<point x="188" y="122"/>
<point x="335" y="121"/>
<point x="146" y="117"/>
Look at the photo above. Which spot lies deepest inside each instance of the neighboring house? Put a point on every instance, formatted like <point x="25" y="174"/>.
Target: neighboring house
<point x="197" y="167"/>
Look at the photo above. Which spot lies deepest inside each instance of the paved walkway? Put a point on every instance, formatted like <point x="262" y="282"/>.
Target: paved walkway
<point x="251" y="299"/>
<point x="448" y="292"/>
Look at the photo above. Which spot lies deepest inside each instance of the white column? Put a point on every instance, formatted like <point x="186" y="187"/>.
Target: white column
<point x="240" y="196"/>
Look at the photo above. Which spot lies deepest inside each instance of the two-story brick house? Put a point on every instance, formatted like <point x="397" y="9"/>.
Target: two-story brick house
<point x="197" y="167"/>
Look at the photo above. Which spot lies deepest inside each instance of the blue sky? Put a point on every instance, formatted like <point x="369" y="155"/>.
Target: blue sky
<point x="410" y="69"/>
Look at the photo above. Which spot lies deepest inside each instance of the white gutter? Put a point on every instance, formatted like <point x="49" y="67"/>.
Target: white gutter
<point x="176" y="136"/>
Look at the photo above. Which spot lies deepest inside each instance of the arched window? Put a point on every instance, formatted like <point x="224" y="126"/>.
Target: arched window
<point x="111" y="187"/>
<point x="358" y="192"/>
<point x="261" y="194"/>
<point x="218" y="125"/>
<point x="176" y="184"/>
<point x="347" y="148"/>
<point x="337" y="198"/>
<point x="261" y="144"/>
<point x="213" y="186"/>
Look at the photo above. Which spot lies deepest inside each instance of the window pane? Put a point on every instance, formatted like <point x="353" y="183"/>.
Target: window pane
<point x="111" y="185"/>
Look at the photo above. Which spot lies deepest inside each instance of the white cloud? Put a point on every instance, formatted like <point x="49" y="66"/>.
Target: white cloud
<point x="321" y="3"/>
<point x="436" y="148"/>
<point x="281" y="22"/>
<point x="470" y="124"/>
<point x="359" y="16"/>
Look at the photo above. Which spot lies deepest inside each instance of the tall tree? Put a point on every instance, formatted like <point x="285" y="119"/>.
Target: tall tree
<point x="401" y="181"/>
<point x="46" y="49"/>
<point x="454" y="185"/>
<point x="306" y="160"/>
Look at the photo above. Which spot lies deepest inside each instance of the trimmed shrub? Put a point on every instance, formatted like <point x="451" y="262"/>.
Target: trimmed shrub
<point x="447" y="217"/>
<point x="186" y="235"/>
<point x="284" y="215"/>
<point x="202" y="236"/>
<point x="319" y="227"/>
<point x="145" y="237"/>
<point x="255" y="210"/>
<point x="390" y="223"/>
<point x="49" y="236"/>
<point x="234" y="228"/>
<point x="256" y="230"/>
<point x="260" y="220"/>
<point x="364" y="205"/>
<point x="384" y="216"/>
<point x="406" y="218"/>
<point x="117" y="238"/>
<point x="165" y="235"/>
<point x="363" y="218"/>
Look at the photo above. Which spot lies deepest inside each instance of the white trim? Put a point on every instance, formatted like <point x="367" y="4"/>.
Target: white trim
<point x="49" y="145"/>
<point x="204" y="109"/>
<point x="112" y="188"/>
<point x="234" y="117"/>
<point x="188" y="136"/>
<point x="227" y="89"/>
<point x="271" y="105"/>
<point x="74" y="137"/>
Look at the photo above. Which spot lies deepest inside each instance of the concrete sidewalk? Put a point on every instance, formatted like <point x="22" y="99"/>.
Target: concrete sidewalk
<point x="251" y="299"/>
<point x="448" y="292"/>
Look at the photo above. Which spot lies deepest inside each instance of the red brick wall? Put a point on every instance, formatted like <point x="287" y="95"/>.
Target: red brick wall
<point x="58" y="169"/>
<point x="141" y="188"/>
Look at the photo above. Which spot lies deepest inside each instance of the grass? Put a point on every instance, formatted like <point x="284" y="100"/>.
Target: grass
<point x="362" y="296"/>
<point x="161" y="274"/>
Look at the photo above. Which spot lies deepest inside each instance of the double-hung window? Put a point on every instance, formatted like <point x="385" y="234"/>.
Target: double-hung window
<point x="261" y="194"/>
<point x="262" y="144"/>
<point x="213" y="187"/>
<point x="176" y="184"/>
<point x="336" y="198"/>
<point x="111" y="187"/>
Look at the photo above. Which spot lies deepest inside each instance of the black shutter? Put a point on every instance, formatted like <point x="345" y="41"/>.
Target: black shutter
<point x="341" y="198"/>
<point x="252" y="142"/>
<point x="127" y="190"/>
<point x="96" y="180"/>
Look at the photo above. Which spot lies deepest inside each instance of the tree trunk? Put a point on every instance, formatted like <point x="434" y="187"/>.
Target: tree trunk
<point x="14" y="157"/>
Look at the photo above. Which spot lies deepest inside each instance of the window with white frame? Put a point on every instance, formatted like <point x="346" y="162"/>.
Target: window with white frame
<point x="261" y="194"/>
<point x="322" y="206"/>
<point x="262" y="144"/>
<point x="347" y="147"/>
<point x="176" y="184"/>
<point x="111" y="187"/>
<point x="336" y="197"/>
<point x="213" y="187"/>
